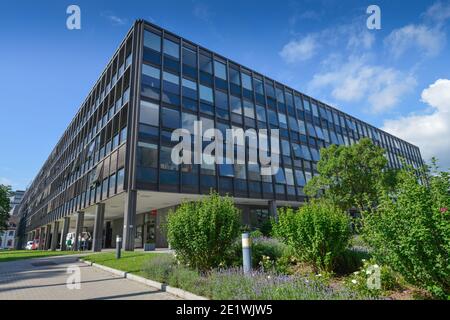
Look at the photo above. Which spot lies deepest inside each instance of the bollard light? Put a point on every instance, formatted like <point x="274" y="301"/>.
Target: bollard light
<point x="118" y="246"/>
<point x="247" y="252"/>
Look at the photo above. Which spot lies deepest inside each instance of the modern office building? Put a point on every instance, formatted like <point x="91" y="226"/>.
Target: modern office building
<point x="111" y="171"/>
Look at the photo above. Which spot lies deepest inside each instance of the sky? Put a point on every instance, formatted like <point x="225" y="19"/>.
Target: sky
<point x="396" y="77"/>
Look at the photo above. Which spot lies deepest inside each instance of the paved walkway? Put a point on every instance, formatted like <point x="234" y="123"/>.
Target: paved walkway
<point x="46" y="278"/>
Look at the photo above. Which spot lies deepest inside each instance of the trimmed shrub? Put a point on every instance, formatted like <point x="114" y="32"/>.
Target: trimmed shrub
<point x="202" y="232"/>
<point x="318" y="232"/>
<point x="410" y="231"/>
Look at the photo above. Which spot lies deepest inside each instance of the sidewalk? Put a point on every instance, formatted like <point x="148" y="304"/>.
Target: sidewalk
<point x="45" y="278"/>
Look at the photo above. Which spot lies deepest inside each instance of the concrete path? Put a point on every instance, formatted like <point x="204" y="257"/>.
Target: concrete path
<point x="46" y="278"/>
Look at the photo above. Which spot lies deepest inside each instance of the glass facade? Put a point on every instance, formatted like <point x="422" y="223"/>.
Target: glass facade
<point x="223" y="94"/>
<point x="157" y="82"/>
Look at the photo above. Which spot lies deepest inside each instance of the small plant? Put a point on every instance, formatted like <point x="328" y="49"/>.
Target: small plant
<point x="372" y="280"/>
<point x="159" y="267"/>
<point x="184" y="278"/>
<point x="318" y="232"/>
<point x="202" y="232"/>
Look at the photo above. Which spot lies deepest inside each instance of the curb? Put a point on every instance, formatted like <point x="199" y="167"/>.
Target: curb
<point x="151" y="283"/>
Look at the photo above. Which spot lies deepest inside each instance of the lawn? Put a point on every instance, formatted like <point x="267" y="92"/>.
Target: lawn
<point x="130" y="261"/>
<point x="11" y="255"/>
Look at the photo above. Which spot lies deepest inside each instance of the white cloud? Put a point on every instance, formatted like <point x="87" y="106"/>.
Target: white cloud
<point x="114" y="19"/>
<point x="299" y="50"/>
<point x="362" y="39"/>
<point x="356" y="80"/>
<point x="431" y="132"/>
<point x="428" y="40"/>
<point x="438" y="12"/>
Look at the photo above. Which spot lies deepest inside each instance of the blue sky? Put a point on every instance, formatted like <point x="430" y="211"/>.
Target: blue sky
<point x="395" y="78"/>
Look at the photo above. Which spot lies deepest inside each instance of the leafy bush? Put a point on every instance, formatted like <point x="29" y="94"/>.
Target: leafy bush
<point x="201" y="232"/>
<point x="256" y="234"/>
<point x="318" y="232"/>
<point x="159" y="267"/>
<point x="363" y="281"/>
<point x="265" y="251"/>
<point x="410" y="231"/>
<point x="350" y="260"/>
<point x="266" y="228"/>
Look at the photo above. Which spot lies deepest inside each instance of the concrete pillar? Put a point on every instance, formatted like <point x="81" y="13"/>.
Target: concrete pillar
<point x="65" y="230"/>
<point x="78" y="230"/>
<point x="55" y="236"/>
<point x="42" y="238"/>
<point x="129" y="220"/>
<point x="47" y="236"/>
<point x="273" y="209"/>
<point x="98" y="227"/>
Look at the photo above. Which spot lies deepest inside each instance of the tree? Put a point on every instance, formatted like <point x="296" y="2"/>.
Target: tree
<point x="5" y="207"/>
<point x="410" y="230"/>
<point x="351" y="176"/>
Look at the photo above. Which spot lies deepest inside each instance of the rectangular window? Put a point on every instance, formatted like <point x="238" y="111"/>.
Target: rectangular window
<point x="305" y="152"/>
<point x="289" y="176"/>
<point x="205" y="63"/>
<point x="280" y="95"/>
<point x="206" y="94"/>
<point x="150" y="81"/>
<point x="188" y="121"/>
<point x="300" y="177"/>
<point x="319" y="133"/>
<point x="221" y="100"/>
<point x="273" y="119"/>
<point x="261" y="113"/>
<point x="171" y="49"/>
<point x="120" y="179"/>
<point x="283" y="120"/>
<point x="189" y="57"/>
<point x="249" y="110"/>
<point x="247" y="81"/>
<point x="259" y="89"/>
<point x="166" y="159"/>
<point x="236" y="104"/>
<point x="147" y="155"/>
<point x="170" y="118"/>
<point x="189" y="89"/>
<point x="220" y="70"/>
<point x="149" y="113"/>
<point x="171" y="82"/>
<point x="235" y="76"/>
<point x="152" y="41"/>
<point x="270" y="91"/>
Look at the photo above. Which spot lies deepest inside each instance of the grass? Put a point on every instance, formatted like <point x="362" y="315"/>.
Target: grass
<point x="11" y="255"/>
<point x="130" y="261"/>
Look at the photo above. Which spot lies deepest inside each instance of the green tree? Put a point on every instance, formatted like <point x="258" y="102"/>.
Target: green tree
<point x="410" y="230"/>
<point x="350" y="176"/>
<point x="5" y="192"/>
<point x="202" y="232"/>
